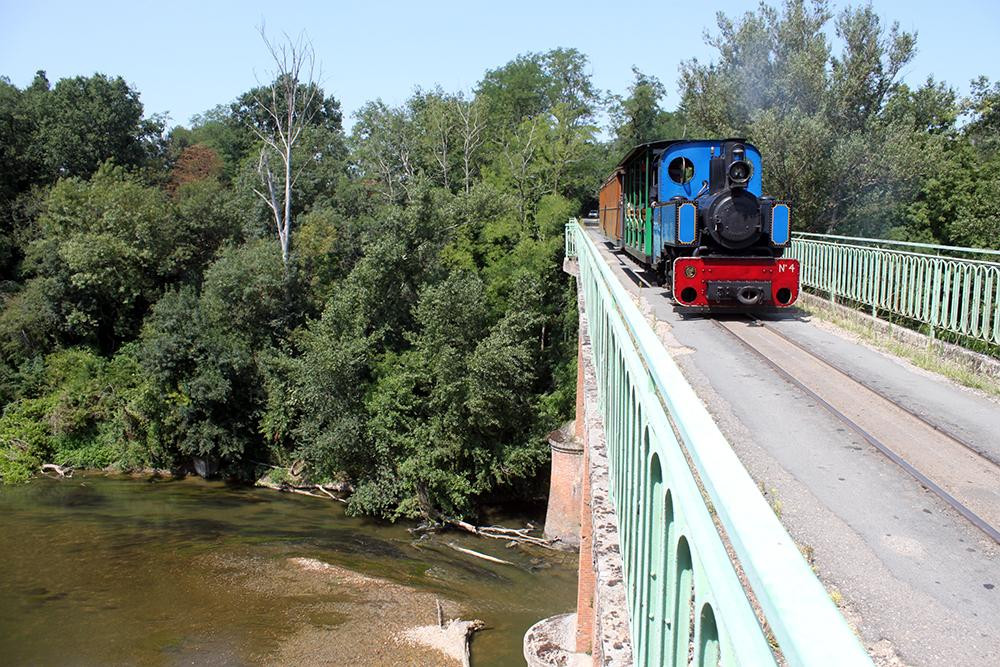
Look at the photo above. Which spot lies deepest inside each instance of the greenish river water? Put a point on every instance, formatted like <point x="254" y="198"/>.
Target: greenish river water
<point x="97" y="570"/>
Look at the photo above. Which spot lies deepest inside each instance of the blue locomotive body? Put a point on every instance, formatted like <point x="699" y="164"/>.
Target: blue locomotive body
<point x="670" y="200"/>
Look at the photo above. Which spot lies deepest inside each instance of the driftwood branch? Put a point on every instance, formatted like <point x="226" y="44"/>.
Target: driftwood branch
<point x="520" y="535"/>
<point x="326" y="491"/>
<point x="478" y="554"/>
<point x="60" y="470"/>
<point x="471" y="627"/>
<point x="451" y="638"/>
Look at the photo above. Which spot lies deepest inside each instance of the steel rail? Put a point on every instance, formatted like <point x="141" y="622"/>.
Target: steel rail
<point x="887" y="451"/>
<point x="875" y="390"/>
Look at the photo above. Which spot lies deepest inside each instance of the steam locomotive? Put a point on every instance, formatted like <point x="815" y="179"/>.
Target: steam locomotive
<point x="693" y="212"/>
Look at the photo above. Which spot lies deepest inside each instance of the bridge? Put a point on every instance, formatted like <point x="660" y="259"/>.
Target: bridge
<point x="765" y="491"/>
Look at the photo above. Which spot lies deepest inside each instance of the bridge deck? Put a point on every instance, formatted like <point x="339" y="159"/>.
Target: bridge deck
<point x="921" y="583"/>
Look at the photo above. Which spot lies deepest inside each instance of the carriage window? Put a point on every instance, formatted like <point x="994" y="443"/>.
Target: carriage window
<point x="681" y="170"/>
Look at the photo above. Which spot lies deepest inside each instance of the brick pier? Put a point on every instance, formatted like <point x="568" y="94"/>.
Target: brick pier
<point x="597" y="631"/>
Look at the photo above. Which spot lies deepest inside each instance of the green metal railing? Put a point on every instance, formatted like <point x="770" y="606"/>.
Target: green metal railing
<point x="687" y="604"/>
<point x="570" y="245"/>
<point x="948" y="293"/>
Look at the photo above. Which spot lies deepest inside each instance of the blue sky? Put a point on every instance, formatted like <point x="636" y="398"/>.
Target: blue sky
<point x="185" y="57"/>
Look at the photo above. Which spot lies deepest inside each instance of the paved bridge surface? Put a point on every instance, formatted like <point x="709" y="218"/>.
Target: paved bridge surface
<point x="877" y="469"/>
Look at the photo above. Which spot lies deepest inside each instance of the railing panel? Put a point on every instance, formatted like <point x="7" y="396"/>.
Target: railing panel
<point x="675" y="563"/>
<point x="956" y="294"/>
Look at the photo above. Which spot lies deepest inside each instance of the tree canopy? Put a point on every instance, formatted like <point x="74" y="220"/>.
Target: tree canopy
<point x="415" y="337"/>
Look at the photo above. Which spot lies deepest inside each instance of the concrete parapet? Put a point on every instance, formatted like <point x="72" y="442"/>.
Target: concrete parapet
<point x="611" y="642"/>
<point x="600" y="626"/>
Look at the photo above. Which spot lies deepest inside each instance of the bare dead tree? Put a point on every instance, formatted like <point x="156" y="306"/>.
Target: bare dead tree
<point x="441" y="126"/>
<point x="520" y="152"/>
<point x="472" y="126"/>
<point x="289" y="104"/>
<point x="566" y="150"/>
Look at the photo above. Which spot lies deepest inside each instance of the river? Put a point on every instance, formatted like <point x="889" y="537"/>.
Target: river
<point x="98" y="570"/>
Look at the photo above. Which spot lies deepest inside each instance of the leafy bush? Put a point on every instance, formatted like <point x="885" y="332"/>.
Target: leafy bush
<point x="74" y="415"/>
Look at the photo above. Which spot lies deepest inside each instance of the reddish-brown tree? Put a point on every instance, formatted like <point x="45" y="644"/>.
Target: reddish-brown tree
<point x="195" y="163"/>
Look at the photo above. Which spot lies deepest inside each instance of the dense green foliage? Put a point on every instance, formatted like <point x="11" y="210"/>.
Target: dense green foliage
<point x="419" y="342"/>
<point x="857" y="151"/>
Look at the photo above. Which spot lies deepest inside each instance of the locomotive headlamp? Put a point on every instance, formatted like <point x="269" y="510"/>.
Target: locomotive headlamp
<point x="739" y="172"/>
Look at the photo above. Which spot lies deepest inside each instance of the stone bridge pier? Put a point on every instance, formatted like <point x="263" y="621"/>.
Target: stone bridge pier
<point x="580" y="513"/>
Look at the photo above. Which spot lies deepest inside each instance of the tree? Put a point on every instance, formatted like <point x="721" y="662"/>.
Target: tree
<point x="282" y="114"/>
<point x="437" y="125"/>
<point x="823" y="122"/>
<point x="104" y="249"/>
<point x="518" y="163"/>
<point x="515" y="92"/>
<point x="534" y="83"/>
<point x="68" y="130"/>
<point x="983" y="109"/>
<point x="206" y="381"/>
<point x="246" y="292"/>
<point x="20" y="166"/>
<point x="471" y="126"/>
<point x="197" y="162"/>
<point x="539" y="110"/>
<point x="20" y="163"/>
<point x="385" y="149"/>
<point x="955" y="204"/>
<point x="224" y="129"/>
<point x="84" y="121"/>
<point x="325" y="251"/>
<point x="639" y="118"/>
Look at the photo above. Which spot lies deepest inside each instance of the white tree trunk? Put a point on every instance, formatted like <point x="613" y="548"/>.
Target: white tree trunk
<point x="289" y="113"/>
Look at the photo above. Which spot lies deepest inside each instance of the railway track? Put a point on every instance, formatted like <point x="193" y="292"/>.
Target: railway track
<point x="947" y="466"/>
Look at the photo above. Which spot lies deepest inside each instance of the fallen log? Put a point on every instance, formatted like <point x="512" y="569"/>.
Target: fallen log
<point x="470" y="628"/>
<point x="288" y="488"/>
<point x="302" y="489"/>
<point x="470" y="552"/>
<point x="60" y="470"/>
<point x="330" y="495"/>
<point x="519" y="535"/>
